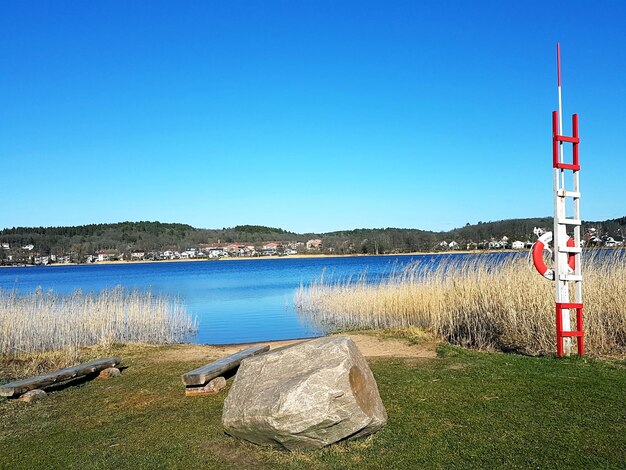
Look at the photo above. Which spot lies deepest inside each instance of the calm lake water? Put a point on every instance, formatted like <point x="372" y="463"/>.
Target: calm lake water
<point x="235" y="301"/>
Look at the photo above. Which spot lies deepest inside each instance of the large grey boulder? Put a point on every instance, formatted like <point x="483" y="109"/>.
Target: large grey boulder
<point x="304" y="396"/>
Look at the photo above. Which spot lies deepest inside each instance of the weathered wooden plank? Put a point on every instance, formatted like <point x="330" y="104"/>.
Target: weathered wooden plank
<point x="203" y="374"/>
<point x="13" y="389"/>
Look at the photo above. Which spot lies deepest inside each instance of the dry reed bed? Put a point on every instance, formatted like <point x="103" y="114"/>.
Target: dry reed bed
<point x="40" y="322"/>
<point x="476" y="302"/>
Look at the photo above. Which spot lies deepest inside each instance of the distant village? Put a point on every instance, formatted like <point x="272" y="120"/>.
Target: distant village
<point x="591" y="239"/>
<point x="29" y="255"/>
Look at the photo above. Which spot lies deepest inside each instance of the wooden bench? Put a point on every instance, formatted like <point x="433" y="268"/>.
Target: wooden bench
<point x="196" y="380"/>
<point x="19" y="387"/>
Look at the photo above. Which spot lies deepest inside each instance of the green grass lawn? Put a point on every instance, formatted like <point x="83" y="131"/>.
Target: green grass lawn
<point x="464" y="409"/>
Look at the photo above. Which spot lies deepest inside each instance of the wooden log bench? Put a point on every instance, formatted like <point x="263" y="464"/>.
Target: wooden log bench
<point x="20" y="387"/>
<point x="206" y="379"/>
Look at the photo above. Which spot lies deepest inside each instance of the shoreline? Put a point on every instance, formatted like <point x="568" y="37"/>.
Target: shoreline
<point x="299" y="256"/>
<point x="243" y="258"/>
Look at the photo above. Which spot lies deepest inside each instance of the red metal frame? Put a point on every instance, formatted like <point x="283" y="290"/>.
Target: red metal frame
<point x="574" y="140"/>
<point x="578" y="333"/>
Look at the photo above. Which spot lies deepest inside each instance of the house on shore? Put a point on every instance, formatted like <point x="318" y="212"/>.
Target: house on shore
<point x="106" y="255"/>
<point x="314" y="244"/>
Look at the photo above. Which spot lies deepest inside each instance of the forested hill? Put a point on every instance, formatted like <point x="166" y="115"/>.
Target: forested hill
<point x="128" y="236"/>
<point x="93" y="237"/>
<point x="613" y="227"/>
<point x="520" y="229"/>
<point x="95" y="230"/>
<point x="154" y="236"/>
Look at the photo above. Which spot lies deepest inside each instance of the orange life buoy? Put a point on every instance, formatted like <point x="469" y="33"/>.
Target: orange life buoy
<point x="537" y="251"/>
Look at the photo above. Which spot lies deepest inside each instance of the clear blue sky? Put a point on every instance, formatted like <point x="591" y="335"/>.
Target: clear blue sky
<point x="310" y="116"/>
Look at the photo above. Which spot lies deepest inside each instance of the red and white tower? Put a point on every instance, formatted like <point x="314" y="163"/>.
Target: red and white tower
<point x="567" y="272"/>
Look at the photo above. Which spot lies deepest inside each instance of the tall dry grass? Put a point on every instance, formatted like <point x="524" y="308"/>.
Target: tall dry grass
<point x="477" y="302"/>
<point x="40" y="322"/>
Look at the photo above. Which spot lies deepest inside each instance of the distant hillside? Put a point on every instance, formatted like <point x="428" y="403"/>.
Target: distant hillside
<point x="126" y="237"/>
<point x="94" y="237"/>
<point x="384" y="240"/>
<point x="399" y="240"/>
<point x="610" y="227"/>
<point x="251" y="234"/>
<point x="518" y="229"/>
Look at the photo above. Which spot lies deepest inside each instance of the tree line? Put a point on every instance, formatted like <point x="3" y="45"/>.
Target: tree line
<point x="125" y="237"/>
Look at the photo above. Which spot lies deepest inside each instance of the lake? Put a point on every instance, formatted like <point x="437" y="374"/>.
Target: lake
<point x="235" y="301"/>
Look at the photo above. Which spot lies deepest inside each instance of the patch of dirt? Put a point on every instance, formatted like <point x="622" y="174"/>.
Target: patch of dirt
<point x="236" y="452"/>
<point x="189" y="353"/>
<point x="370" y="346"/>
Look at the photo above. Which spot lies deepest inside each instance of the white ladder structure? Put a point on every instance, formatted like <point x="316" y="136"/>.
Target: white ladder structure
<point x="564" y="225"/>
